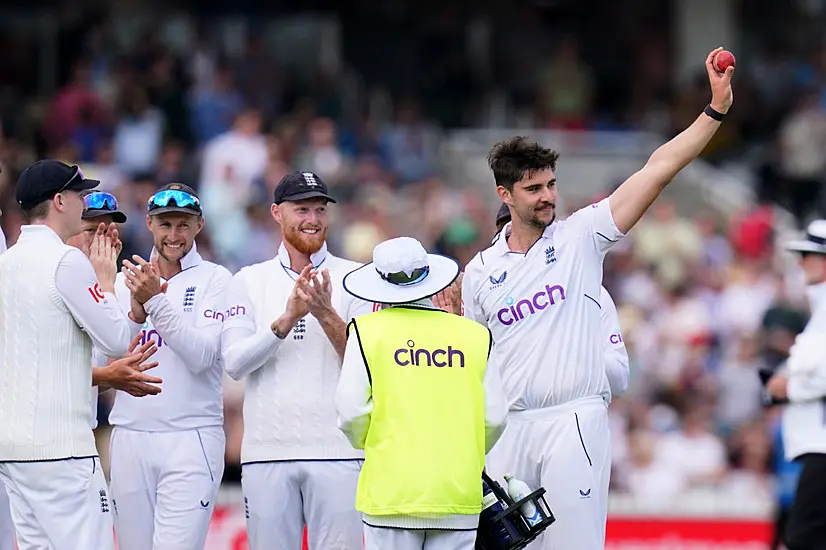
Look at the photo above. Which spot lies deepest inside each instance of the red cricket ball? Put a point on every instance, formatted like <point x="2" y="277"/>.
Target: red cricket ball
<point x="723" y="60"/>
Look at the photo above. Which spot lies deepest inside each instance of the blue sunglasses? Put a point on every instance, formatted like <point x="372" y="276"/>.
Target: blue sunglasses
<point x="403" y="279"/>
<point x="182" y="199"/>
<point x="99" y="200"/>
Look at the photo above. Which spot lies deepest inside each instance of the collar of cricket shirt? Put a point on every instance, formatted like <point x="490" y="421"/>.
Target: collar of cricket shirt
<point x="317" y="258"/>
<point x="500" y="240"/>
<point x="191" y="259"/>
<point x="39" y="231"/>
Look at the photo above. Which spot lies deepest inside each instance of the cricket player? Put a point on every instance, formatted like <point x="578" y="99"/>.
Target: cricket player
<point x="538" y="290"/>
<point x="100" y="215"/>
<point x="55" y="304"/>
<point x="285" y="331"/>
<point x="167" y="450"/>
<point x="416" y="393"/>
<point x="801" y="385"/>
<point x="617" y="365"/>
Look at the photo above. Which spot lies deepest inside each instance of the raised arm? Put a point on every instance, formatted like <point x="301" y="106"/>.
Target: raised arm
<point x="630" y="201"/>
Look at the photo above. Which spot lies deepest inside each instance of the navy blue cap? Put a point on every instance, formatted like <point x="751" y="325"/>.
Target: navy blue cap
<point x="504" y="215"/>
<point x="46" y="178"/>
<point x="297" y="186"/>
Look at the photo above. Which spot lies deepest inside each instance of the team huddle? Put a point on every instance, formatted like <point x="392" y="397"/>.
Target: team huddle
<point x="160" y="331"/>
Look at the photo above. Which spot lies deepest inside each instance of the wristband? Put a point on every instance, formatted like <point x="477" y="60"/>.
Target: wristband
<point x="716" y="115"/>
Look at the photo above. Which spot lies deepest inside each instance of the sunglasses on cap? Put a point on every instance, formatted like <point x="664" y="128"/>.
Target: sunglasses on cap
<point x="182" y="199"/>
<point x="401" y="278"/>
<point x="99" y="200"/>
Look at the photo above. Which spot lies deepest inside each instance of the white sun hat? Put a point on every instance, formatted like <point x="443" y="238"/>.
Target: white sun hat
<point x="815" y="241"/>
<point x="401" y="272"/>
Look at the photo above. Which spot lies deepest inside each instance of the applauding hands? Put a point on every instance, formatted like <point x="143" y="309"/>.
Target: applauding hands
<point x="313" y="294"/>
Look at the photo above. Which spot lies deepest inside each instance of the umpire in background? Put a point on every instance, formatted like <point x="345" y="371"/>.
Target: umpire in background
<point x="802" y="383"/>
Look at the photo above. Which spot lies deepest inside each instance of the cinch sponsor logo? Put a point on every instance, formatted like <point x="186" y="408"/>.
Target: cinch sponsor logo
<point x="516" y="311"/>
<point x="451" y="357"/>
<point x="97" y="293"/>
<point x="224" y="315"/>
<point x="616" y="337"/>
<point x="147" y="335"/>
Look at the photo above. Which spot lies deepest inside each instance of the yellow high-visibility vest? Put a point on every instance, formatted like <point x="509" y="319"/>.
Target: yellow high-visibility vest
<point x="425" y="448"/>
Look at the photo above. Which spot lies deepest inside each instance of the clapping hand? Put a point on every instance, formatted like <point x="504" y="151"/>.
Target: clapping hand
<point x="104" y="257"/>
<point x="143" y="279"/>
<point x="450" y="299"/>
<point x="297" y="308"/>
<point x="316" y="291"/>
<point x="128" y="373"/>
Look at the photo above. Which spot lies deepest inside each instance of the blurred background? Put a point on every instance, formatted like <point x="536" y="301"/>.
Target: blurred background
<point x="396" y="103"/>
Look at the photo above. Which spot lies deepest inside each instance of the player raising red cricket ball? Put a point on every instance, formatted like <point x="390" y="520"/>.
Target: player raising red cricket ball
<point x="723" y="60"/>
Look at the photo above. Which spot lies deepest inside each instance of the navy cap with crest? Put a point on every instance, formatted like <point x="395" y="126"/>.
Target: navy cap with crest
<point x="297" y="186"/>
<point x="46" y="178"/>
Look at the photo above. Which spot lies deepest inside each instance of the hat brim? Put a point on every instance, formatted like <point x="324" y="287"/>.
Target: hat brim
<point x="91" y="213"/>
<point x="181" y="209"/>
<point x="806" y="246"/>
<point x="366" y="283"/>
<point x="307" y="195"/>
<point x="82" y="184"/>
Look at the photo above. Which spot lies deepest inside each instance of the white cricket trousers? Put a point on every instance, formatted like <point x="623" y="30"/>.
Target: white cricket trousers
<point x="164" y="486"/>
<point x="6" y="524"/>
<point x="567" y="450"/>
<point x="390" y="538"/>
<point x="59" y="504"/>
<point x="281" y="497"/>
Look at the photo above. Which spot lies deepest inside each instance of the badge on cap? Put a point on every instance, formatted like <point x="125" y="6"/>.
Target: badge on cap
<point x="175" y="186"/>
<point x="309" y="177"/>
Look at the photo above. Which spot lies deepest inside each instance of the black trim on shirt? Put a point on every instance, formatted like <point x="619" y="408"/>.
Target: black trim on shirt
<point x="596" y="302"/>
<point x="48" y="459"/>
<point x="361" y="349"/>
<point x="490" y="341"/>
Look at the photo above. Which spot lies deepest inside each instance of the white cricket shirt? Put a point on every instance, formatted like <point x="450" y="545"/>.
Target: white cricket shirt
<point x="289" y="400"/>
<point x="2" y="241"/>
<point x="804" y="417"/>
<point x="185" y="322"/>
<point x="52" y="312"/>
<point x="543" y="309"/>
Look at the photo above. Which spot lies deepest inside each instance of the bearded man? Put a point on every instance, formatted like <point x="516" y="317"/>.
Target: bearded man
<point x="285" y="330"/>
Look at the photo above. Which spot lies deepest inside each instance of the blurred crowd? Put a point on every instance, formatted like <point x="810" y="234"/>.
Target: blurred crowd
<point x="705" y="301"/>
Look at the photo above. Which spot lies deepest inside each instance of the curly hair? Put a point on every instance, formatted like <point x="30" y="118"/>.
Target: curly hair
<point x="514" y="159"/>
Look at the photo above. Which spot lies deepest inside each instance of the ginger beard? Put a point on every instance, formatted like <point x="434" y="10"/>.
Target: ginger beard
<point x="305" y="243"/>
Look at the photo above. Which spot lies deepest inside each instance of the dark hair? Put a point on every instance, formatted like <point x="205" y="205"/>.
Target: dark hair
<point x="516" y="158"/>
<point x="502" y="223"/>
<point x="37" y="212"/>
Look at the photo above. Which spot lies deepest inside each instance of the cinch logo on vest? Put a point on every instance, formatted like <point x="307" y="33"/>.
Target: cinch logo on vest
<point x="516" y="311"/>
<point x="616" y="337"/>
<point x="224" y="315"/>
<point x="424" y="357"/>
<point x="147" y="335"/>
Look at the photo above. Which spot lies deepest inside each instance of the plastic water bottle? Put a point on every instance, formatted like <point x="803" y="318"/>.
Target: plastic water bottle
<point x="518" y="490"/>
<point x="491" y="507"/>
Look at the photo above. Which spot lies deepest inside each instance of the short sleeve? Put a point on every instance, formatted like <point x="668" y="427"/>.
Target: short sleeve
<point x="596" y="223"/>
